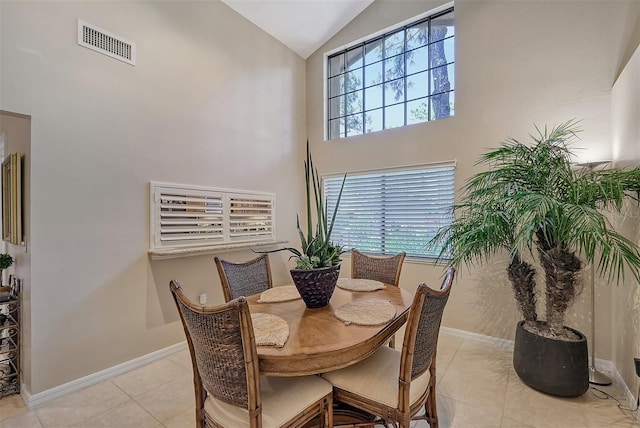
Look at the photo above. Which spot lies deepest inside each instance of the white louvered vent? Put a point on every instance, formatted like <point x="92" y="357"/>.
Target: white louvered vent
<point x="194" y="216"/>
<point x="106" y="43"/>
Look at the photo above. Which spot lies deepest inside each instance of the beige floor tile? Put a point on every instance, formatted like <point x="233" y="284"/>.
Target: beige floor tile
<point x="127" y="415"/>
<point x="453" y="414"/>
<point x="477" y="376"/>
<point x="11" y="405"/>
<point x="484" y="359"/>
<point x="186" y="419"/>
<point x="182" y="358"/>
<point x="23" y="420"/>
<point x="447" y="347"/>
<point x="170" y="399"/>
<point x="81" y="405"/>
<point x="602" y="410"/>
<point x="477" y="388"/>
<point x="528" y="406"/>
<point x="510" y="423"/>
<point x="489" y="395"/>
<point x="149" y="377"/>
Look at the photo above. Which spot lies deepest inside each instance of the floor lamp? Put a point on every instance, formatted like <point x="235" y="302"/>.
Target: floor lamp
<point x="595" y="376"/>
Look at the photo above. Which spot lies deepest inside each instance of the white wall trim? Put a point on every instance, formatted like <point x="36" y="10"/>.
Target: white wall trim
<point x="477" y="337"/>
<point x="45" y="397"/>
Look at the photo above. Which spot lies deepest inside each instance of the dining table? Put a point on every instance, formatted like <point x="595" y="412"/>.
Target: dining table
<point x="318" y="340"/>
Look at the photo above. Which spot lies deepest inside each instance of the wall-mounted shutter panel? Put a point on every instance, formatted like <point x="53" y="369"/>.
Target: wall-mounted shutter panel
<point x="250" y="217"/>
<point x="193" y="216"/>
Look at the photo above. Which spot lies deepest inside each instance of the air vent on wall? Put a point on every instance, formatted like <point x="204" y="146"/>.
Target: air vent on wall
<point x="106" y="43"/>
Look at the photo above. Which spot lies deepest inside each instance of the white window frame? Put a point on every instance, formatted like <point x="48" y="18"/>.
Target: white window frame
<point x="212" y="218"/>
<point x="400" y="218"/>
<point x="441" y="10"/>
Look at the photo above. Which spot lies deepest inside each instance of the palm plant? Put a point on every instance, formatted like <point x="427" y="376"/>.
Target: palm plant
<point x="532" y="199"/>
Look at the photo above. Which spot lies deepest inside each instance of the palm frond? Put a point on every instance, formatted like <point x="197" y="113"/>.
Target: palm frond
<point x="532" y="196"/>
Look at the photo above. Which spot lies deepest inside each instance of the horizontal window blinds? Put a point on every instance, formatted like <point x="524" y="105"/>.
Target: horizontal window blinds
<point x="386" y="212"/>
<point x="192" y="216"/>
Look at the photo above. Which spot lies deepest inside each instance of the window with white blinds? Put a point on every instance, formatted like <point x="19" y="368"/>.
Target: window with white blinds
<point x="193" y="216"/>
<point x="385" y="212"/>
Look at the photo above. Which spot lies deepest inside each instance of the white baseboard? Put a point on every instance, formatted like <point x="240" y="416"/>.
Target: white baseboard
<point x="52" y="394"/>
<point x="477" y="337"/>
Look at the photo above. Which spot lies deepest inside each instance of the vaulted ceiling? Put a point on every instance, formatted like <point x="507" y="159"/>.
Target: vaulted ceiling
<point x="302" y="25"/>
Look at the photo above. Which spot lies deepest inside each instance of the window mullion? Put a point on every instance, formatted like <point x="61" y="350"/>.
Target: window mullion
<point x="364" y="96"/>
<point x="383" y="87"/>
<point x="404" y="73"/>
<point x="429" y="71"/>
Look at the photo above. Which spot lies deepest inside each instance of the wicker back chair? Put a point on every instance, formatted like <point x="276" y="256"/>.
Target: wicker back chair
<point x="373" y="385"/>
<point x="379" y="268"/>
<point x="244" y="279"/>
<point x="229" y="391"/>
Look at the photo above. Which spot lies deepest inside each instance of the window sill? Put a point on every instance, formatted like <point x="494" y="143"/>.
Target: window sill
<point x="199" y="251"/>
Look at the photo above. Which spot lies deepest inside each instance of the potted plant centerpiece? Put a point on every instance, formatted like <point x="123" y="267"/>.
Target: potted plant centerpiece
<point x="532" y="202"/>
<point x="318" y="259"/>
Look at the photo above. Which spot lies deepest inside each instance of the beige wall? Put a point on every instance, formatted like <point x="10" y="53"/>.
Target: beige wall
<point x="212" y="101"/>
<point x="626" y="298"/>
<point x="517" y="63"/>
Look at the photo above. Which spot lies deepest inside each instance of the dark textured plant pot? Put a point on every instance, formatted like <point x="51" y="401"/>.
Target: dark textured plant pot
<point x="552" y="366"/>
<point x="316" y="285"/>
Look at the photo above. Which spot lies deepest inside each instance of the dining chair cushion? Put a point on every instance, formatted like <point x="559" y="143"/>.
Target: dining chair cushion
<point x="376" y="378"/>
<point x="282" y="399"/>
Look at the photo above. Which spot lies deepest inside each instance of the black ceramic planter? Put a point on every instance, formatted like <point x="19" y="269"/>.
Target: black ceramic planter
<point x="552" y="366"/>
<point x="316" y="286"/>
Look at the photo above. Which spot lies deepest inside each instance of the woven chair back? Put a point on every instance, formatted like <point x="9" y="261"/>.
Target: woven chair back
<point x="214" y="336"/>
<point x="378" y="268"/>
<point x="244" y="279"/>
<point x="428" y="326"/>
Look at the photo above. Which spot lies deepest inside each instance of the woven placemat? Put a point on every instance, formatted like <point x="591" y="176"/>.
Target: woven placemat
<point x="366" y="312"/>
<point x="352" y="284"/>
<point x="279" y="294"/>
<point x="269" y="330"/>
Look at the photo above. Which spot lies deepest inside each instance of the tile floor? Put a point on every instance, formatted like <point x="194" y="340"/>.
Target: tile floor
<point x="477" y="388"/>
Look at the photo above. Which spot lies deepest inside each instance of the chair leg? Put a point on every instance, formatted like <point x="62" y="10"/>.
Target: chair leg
<point x="327" y="412"/>
<point x="431" y="410"/>
<point x="392" y="342"/>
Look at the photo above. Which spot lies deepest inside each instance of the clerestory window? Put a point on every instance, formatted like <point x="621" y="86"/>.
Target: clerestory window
<point x="399" y="78"/>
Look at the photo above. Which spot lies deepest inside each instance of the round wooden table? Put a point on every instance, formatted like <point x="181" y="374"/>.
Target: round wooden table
<point x="318" y="341"/>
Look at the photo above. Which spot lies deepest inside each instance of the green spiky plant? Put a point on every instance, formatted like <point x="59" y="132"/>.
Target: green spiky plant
<point x="533" y="200"/>
<point x="317" y="250"/>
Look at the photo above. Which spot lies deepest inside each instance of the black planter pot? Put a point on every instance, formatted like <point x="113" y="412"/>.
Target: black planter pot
<point x="316" y="285"/>
<point x="552" y="366"/>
